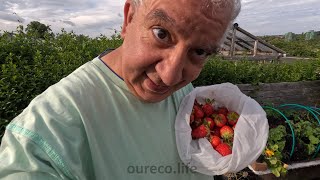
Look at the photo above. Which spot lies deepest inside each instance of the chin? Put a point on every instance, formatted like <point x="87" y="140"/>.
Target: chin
<point x="152" y="99"/>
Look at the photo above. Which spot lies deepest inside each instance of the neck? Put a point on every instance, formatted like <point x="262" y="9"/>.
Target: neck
<point x="114" y="60"/>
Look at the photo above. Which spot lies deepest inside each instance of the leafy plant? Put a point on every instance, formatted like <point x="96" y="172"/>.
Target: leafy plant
<point x="217" y="70"/>
<point x="298" y="46"/>
<point x="273" y="153"/>
<point x="31" y="60"/>
<point x="307" y="134"/>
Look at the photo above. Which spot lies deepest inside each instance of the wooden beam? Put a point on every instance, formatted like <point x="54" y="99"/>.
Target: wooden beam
<point x="234" y="31"/>
<point x="229" y="45"/>
<point x="255" y="48"/>
<point x="247" y="43"/>
<point x="237" y="43"/>
<point x="235" y="26"/>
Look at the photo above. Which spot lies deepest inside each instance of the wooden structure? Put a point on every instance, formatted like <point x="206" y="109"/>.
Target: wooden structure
<point x="240" y="41"/>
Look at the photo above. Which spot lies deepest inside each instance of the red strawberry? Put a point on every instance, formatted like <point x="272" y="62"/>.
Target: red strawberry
<point x="220" y="120"/>
<point x="224" y="149"/>
<point x="232" y="118"/>
<point x="208" y="108"/>
<point x="223" y="110"/>
<point x="226" y="133"/>
<point x="210" y="122"/>
<point x="200" y="132"/>
<point x="216" y="131"/>
<point x="198" y="113"/>
<point x="215" y="141"/>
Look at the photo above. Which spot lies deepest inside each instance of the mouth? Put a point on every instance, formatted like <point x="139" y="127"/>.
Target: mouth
<point x="153" y="87"/>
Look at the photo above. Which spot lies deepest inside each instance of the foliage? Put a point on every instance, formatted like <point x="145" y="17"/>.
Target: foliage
<point x="273" y="152"/>
<point x="218" y="70"/>
<point x="38" y="29"/>
<point x="298" y="46"/>
<point x="277" y="140"/>
<point x="308" y="135"/>
<point x="30" y="64"/>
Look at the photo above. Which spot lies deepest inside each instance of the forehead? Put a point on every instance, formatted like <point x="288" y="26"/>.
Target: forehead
<point x="189" y="16"/>
<point x="211" y="9"/>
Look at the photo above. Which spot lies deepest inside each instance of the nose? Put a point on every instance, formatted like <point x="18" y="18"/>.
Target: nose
<point x="171" y="67"/>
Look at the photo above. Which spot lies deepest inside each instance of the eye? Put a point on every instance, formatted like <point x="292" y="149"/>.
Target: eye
<point x="201" y="53"/>
<point x="161" y="34"/>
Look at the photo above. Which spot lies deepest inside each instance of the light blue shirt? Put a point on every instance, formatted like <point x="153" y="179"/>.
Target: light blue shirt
<point x="90" y="126"/>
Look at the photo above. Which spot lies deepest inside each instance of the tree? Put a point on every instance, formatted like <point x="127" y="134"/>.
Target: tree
<point x="38" y="29"/>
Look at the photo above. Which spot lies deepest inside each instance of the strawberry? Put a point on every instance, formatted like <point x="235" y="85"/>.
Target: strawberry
<point x="224" y="149"/>
<point x="197" y="122"/>
<point x="226" y="133"/>
<point x="216" y="131"/>
<point x="200" y="132"/>
<point x="198" y="113"/>
<point x="232" y="118"/>
<point x="209" y="122"/>
<point x="223" y="110"/>
<point x="220" y="120"/>
<point x="208" y="108"/>
<point x="215" y="141"/>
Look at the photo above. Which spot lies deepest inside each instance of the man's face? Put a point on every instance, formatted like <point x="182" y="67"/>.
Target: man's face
<point x="166" y="44"/>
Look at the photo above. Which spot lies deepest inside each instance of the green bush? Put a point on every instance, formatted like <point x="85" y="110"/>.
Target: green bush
<point x="30" y="64"/>
<point x="298" y="47"/>
<point x="218" y="71"/>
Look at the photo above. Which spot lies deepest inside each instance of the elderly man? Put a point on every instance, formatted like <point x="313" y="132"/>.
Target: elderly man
<point x="113" y="118"/>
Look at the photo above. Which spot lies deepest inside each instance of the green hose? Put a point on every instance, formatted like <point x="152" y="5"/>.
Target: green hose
<point x="303" y="107"/>
<point x="315" y="111"/>
<point x="288" y="122"/>
<point x="312" y="111"/>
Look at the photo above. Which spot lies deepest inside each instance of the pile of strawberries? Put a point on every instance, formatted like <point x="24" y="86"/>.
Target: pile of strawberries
<point x="214" y="123"/>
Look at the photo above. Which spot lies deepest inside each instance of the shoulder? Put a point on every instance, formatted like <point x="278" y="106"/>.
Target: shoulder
<point x="181" y="93"/>
<point x="52" y="123"/>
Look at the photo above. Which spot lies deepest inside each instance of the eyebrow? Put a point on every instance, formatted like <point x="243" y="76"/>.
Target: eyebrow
<point x="160" y="15"/>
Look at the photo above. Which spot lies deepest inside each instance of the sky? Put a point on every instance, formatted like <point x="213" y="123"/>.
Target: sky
<point x="95" y="17"/>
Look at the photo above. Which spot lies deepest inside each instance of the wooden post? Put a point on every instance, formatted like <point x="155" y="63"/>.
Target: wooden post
<point x="255" y="48"/>
<point x="233" y="41"/>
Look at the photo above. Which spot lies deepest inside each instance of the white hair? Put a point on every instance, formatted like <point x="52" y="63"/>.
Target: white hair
<point x="235" y="5"/>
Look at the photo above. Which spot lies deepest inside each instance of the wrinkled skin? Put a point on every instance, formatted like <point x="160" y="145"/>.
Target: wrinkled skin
<point x="166" y="44"/>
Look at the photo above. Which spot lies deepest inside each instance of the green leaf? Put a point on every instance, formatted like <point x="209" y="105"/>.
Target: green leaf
<point x="273" y="161"/>
<point x="283" y="171"/>
<point x="314" y="140"/>
<point x="281" y="145"/>
<point x="311" y="149"/>
<point x="275" y="172"/>
<point x="274" y="147"/>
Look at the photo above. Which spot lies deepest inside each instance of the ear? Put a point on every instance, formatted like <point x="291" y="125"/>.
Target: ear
<point x="129" y="10"/>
